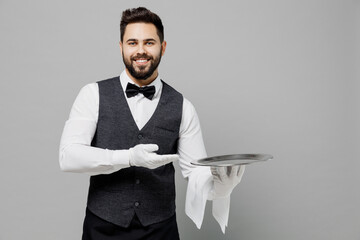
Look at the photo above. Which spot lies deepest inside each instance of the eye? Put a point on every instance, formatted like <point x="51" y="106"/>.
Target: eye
<point x="132" y="43"/>
<point x="149" y="43"/>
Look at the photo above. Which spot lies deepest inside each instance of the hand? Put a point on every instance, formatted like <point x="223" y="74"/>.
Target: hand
<point x="143" y="155"/>
<point x="226" y="178"/>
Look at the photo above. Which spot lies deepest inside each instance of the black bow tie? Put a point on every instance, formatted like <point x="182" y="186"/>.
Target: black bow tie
<point x="132" y="90"/>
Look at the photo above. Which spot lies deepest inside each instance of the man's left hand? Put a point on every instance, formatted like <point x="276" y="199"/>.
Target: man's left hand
<point x="225" y="179"/>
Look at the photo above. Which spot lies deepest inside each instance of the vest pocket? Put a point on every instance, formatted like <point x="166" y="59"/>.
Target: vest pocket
<point x="160" y="130"/>
<point x="165" y="138"/>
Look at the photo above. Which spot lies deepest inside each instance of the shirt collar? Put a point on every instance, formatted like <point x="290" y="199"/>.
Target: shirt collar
<point x="125" y="79"/>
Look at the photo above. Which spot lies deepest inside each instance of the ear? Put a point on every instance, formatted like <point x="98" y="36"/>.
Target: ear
<point x="120" y="44"/>
<point x="163" y="47"/>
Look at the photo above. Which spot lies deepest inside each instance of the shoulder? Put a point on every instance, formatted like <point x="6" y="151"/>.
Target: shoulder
<point x="170" y="88"/>
<point x="188" y="108"/>
<point x="86" y="103"/>
<point x="89" y="90"/>
<point x="109" y="81"/>
<point x="188" y="105"/>
<point x="190" y="122"/>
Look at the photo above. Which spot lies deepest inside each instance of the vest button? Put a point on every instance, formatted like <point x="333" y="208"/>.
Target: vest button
<point x="137" y="181"/>
<point x="136" y="204"/>
<point x="140" y="136"/>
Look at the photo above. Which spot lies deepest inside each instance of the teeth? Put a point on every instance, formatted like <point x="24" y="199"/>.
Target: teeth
<point x="141" y="60"/>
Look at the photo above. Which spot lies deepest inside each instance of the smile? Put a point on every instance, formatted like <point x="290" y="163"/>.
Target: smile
<point x="142" y="61"/>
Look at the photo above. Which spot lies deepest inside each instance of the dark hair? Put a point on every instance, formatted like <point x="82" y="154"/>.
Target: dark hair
<point x="141" y="14"/>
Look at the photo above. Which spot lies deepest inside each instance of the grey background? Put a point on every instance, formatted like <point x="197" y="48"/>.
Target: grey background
<point x="290" y="71"/>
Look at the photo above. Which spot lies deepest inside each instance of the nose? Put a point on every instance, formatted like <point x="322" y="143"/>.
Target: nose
<point x="141" y="49"/>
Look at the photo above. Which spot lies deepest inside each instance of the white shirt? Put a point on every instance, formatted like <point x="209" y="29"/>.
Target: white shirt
<point x="76" y="154"/>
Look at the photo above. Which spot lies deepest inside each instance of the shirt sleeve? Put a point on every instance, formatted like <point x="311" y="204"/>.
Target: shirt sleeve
<point x="76" y="153"/>
<point x="200" y="180"/>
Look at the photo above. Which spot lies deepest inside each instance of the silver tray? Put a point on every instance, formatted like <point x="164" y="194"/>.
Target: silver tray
<point x="232" y="160"/>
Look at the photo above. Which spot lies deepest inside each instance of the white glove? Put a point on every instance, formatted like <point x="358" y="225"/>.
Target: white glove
<point x="225" y="179"/>
<point x="142" y="155"/>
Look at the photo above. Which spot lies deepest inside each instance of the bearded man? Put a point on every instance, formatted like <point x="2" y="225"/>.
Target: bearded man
<point x="126" y="132"/>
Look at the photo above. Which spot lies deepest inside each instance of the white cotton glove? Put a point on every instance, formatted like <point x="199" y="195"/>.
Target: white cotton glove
<point x="225" y="179"/>
<point x="142" y="155"/>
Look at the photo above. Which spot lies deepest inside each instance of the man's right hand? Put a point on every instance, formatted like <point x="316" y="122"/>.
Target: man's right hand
<point x="143" y="155"/>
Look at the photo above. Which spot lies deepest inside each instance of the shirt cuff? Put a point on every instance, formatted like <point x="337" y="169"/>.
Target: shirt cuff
<point x="120" y="159"/>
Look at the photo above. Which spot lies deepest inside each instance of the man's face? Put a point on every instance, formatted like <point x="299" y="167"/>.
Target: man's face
<point x="142" y="51"/>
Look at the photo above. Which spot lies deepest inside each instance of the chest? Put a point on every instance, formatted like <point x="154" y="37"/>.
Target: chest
<point x="118" y="125"/>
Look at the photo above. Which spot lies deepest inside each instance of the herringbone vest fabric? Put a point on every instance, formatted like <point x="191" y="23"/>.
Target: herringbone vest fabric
<point x="149" y="193"/>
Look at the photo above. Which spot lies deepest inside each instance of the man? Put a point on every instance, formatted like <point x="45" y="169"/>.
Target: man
<point x="126" y="132"/>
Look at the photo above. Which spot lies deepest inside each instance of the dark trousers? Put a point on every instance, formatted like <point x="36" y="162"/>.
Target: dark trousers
<point x="95" y="228"/>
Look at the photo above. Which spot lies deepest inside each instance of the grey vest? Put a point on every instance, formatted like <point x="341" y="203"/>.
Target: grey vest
<point x="149" y="193"/>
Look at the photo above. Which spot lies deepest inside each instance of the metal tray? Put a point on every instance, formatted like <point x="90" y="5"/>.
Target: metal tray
<point x="232" y="160"/>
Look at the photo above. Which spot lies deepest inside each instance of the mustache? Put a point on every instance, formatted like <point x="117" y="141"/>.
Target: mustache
<point x="141" y="56"/>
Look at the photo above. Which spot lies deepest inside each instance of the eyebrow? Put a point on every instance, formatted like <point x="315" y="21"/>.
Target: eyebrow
<point x="150" y="39"/>
<point x="136" y="40"/>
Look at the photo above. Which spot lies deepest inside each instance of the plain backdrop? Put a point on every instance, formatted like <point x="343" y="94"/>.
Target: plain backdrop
<point x="278" y="77"/>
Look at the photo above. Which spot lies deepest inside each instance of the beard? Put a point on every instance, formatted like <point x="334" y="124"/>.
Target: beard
<point x="142" y="72"/>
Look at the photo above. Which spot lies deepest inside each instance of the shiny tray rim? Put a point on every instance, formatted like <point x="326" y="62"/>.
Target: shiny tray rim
<point x="232" y="159"/>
